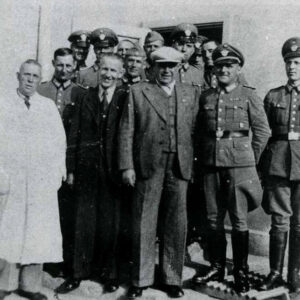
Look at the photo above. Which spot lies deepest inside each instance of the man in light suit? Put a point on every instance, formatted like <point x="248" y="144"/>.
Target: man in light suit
<point x="155" y="157"/>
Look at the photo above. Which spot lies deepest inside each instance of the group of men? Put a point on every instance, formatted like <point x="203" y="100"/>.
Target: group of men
<point x="140" y="124"/>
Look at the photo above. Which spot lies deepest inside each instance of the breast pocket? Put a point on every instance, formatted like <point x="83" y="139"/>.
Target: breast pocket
<point x="236" y="111"/>
<point x="280" y="113"/>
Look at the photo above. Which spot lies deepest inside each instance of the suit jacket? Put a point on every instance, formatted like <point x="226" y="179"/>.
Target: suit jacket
<point x="84" y="146"/>
<point x="142" y="127"/>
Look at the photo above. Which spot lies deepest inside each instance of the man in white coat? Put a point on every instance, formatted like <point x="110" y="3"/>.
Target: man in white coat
<point x="32" y="166"/>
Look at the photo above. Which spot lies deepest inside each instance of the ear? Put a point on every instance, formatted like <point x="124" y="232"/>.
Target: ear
<point x="239" y="70"/>
<point x="18" y="75"/>
<point x="121" y="73"/>
<point x="53" y="63"/>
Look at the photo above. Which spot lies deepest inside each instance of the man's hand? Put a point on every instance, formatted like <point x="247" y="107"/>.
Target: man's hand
<point x="128" y="177"/>
<point x="70" y="179"/>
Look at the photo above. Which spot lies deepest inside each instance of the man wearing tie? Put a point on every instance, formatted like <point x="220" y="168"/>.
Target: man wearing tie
<point x="92" y="168"/>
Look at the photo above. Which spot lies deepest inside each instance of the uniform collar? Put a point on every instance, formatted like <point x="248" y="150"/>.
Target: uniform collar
<point x="127" y="79"/>
<point x="58" y="84"/>
<point x="289" y="87"/>
<point x="229" y="88"/>
<point x="185" y="66"/>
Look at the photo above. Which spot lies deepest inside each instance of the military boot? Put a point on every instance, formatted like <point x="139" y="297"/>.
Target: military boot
<point x="216" y="241"/>
<point x="240" y="242"/>
<point x="278" y="241"/>
<point x="294" y="262"/>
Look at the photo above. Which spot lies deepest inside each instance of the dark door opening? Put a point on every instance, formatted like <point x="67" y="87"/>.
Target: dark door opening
<point x="211" y="30"/>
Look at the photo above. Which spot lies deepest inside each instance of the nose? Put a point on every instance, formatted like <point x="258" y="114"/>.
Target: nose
<point x="223" y="68"/>
<point x="183" y="49"/>
<point x="30" y="78"/>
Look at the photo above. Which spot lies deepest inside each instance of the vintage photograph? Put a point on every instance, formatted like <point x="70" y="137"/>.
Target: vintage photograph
<point x="150" y="150"/>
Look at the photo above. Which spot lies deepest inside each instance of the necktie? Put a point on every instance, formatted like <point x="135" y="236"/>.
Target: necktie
<point x="104" y="100"/>
<point x="26" y="100"/>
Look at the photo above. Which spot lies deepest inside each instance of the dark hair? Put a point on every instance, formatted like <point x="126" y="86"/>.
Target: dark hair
<point x="62" y="52"/>
<point x="112" y="55"/>
<point x="31" y="62"/>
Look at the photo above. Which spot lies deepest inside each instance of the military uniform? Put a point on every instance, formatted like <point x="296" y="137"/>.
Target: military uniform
<point x="100" y="38"/>
<point x="64" y="96"/>
<point x="281" y="169"/>
<point x="228" y="157"/>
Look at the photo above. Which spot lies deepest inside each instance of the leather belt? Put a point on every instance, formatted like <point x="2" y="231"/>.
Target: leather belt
<point x="225" y="134"/>
<point x="291" y="136"/>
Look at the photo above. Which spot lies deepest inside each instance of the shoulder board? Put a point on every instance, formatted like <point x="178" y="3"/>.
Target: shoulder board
<point x="43" y="82"/>
<point x="249" y="87"/>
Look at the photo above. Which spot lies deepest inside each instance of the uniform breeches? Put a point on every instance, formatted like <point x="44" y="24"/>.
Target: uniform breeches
<point x="282" y="201"/>
<point x="165" y="194"/>
<point x="232" y="190"/>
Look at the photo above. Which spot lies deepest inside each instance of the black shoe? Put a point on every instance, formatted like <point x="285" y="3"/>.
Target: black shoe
<point x="174" y="291"/>
<point x="213" y="274"/>
<point x="273" y="281"/>
<point x="135" y="292"/>
<point x="31" y="295"/>
<point x="111" y="285"/>
<point x="67" y="286"/>
<point x="241" y="281"/>
<point x="3" y="294"/>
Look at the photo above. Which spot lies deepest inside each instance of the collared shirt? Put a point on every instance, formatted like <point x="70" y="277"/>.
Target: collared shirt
<point x="168" y="89"/>
<point x="110" y="92"/>
<point x="23" y="97"/>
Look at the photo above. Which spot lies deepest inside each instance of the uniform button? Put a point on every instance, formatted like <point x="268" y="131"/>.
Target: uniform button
<point x="59" y="100"/>
<point x="295" y="100"/>
<point x="219" y="128"/>
<point x="58" y="106"/>
<point x="292" y="125"/>
<point x="293" y="119"/>
<point x="235" y="107"/>
<point x="219" y="119"/>
<point x="228" y="181"/>
<point x="294" y="112"/>
<point x="222" y="92"/>
<point x="294" y="106"/>
<point x="221" y="101"/>
<point x="220" y="109"/>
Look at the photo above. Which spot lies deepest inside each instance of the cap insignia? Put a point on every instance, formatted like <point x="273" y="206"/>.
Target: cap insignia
<point x="83" y="37"/>
<point x="187" y="32"/>
<point x="224" y="52"/>
<point x="197" y="45"/>
<point x="102" y="36"/>
<point x="294" y="48"/>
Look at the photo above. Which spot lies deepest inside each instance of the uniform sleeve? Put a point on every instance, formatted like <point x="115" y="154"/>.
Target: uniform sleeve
<point x="74" y="136"/>
<point x="259" y="125"/>
<point x="126" y="134"/>
<point x="267" y="105"/>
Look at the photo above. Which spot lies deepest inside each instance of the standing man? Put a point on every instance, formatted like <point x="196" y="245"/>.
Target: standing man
<point x="124" y="46"/>
<point x="197" y="59"/>
<point x="153" y="41"/>
<point x="155" y="157"/>
<point x="92" y="168"/>
<point x="80" y="45"/>
<point x="64" y="93"/>
<point x="32" y="163"/>
<point x="183" y="39"/>
<point x="229" y="157"/>
<point x="134" y="66"/>
<point x="104" y="41"/>
<point x="282" y="171"/>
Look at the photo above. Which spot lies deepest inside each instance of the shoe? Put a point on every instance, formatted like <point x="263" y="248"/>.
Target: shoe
<point x="273" y="280"/>
<point x="174" y="291"/>
<point x="31" y="295"/>
<point x="294" y="262"/>
<point x="213" y="274"/>
<point x="67" y="286"/>
<point x="3" y="294"/>
<point x="135" y="292"/>
<point x="111" y="285"/>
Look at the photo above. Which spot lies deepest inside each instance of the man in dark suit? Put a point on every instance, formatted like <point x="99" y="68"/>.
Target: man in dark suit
<point x="64" y="93"/>
<point x="92" y="167"/>
<point x="155" y="157"/>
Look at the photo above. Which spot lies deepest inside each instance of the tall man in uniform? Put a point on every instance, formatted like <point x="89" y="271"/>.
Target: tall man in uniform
<point x="92" y="168"/>
<point x="229" y="157"/>
<point x="104" y="41"/>
<point x="80" y="45"/>
<point x="183" y="39"/>
<point x="32" y="166"/>
<point x="63" y="92"/>
<point x="282" y="171"/>
<point x="153" y="41"/>
<point x="155" y="157"/>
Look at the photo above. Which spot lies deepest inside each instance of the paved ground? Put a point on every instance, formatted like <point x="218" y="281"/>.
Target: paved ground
<point x="89" y="290"/>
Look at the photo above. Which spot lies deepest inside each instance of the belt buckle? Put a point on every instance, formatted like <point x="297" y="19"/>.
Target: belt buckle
<point x="293" y="136"/>
<point x="219" y="133"/>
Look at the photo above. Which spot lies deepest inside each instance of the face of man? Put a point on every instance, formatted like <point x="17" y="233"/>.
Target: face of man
<point x="134" y="65"/>
<point x="111" y="69"/>
<point x="150" y="47"/>
<point x="227" y="72"/>
<point x="63" y="67"/>
<point x="198" y="60"/>
<point x="80" y="53"/>
<point x="292" y="67"/>
<point x="186" y="48"/>
<point x="207" y="50"/>
<point x="164" y="72"/>
<point x="100" y="51"/>
<point x="29" y="78"/>
<point x="123" y="47"/>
